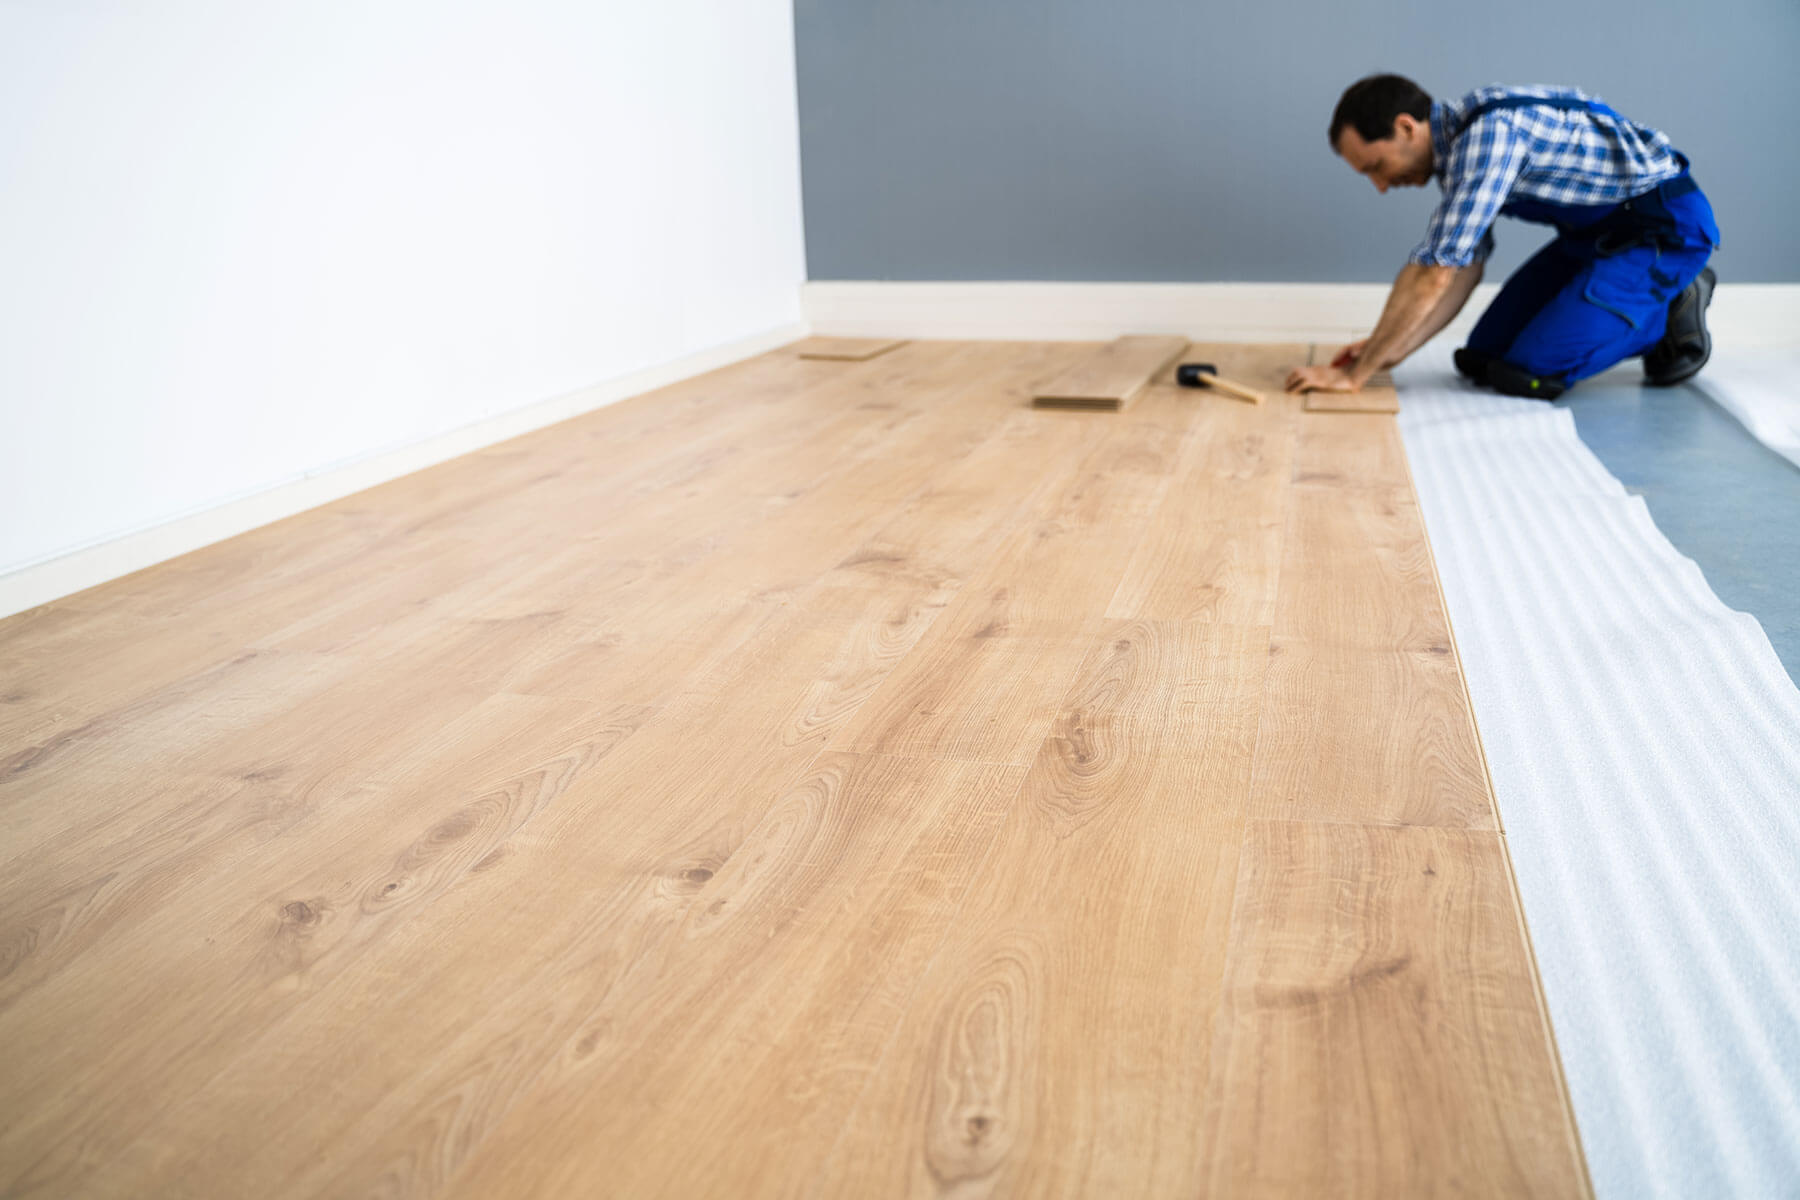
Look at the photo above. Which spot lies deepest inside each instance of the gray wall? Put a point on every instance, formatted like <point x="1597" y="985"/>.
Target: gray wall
<point x="1137" y="140"/>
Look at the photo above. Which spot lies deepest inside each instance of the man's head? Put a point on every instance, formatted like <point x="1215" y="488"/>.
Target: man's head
<point x="1382" y="128"/>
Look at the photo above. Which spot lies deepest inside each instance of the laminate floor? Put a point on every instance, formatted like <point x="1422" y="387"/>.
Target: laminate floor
<point x="812" y="779"/>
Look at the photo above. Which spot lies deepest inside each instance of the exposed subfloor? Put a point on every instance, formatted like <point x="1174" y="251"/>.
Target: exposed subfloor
<point x="1720" y="496"/>
<point x="814" y="779"/>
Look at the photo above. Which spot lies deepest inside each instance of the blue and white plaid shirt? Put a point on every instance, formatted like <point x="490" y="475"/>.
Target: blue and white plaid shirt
<point x="1559" y="156"/>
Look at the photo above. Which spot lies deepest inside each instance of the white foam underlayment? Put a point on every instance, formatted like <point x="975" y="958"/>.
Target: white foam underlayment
<point x="1759" y="387"/>
<point x="1644" y="743"/>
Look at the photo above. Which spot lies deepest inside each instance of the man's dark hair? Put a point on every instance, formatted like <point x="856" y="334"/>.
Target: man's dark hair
<point x="1370" y="105"/>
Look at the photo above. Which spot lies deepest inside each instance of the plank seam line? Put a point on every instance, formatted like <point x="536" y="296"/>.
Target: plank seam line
<point x="1512" y="878"/>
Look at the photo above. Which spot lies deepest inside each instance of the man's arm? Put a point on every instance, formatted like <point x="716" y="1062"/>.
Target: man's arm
<point x="1457" y="295"/>
<point x="1417" y="294"/>
<point x="1421" y="295"/>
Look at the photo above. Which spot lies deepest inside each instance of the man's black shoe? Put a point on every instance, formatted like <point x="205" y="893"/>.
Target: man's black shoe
<point x="1687" y="345"/>
<point x="1472" y="364"/>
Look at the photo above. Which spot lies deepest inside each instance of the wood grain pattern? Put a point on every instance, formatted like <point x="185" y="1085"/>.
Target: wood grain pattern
<point x="590" y="886"/>
<point x="868" y="855"/>
<point x="1059" y="1043"/>
<point x="1354" y="733"/>
<point x="984" y="681"/>
<point x="1372" y="971"/>
<point x="1214" y="553"/>
<point x="1112" y="376"/>
<point x="1350" y="450"/>
<point x="817" y="778"/>
<point x="1356" y="570"/>
<point x="845" y="349"/>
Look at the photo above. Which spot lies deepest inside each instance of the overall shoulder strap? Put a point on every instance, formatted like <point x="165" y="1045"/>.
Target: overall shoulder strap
<point x="1562" y="102"/>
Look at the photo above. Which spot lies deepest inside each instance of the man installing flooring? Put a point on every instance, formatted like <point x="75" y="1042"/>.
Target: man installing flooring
<point x="1625" y="276"/>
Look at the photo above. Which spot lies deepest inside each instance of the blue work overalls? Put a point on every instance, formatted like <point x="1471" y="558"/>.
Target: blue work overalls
<point x="1600" y="292"/>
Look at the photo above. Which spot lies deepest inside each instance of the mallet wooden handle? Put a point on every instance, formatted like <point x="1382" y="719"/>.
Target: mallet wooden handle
<point x="1235" y="389"/>
<point x="1206" y="375"/>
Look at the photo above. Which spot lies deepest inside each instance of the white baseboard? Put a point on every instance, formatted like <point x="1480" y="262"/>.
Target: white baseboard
<point x="40" y="582"/>
<point x="1747" y="314"/>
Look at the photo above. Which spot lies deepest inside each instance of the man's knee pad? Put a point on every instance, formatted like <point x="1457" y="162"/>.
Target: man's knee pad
<point x="1510" y="380"/>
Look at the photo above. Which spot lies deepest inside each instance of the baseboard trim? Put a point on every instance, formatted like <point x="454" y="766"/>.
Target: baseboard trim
<point x="1743" y="314"/>
<point x="49" y="579"/>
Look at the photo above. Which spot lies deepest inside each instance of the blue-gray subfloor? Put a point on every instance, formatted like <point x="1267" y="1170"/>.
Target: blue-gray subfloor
<point x="1720" y="496"/>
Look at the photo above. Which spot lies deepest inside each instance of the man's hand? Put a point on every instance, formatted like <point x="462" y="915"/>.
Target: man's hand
<point x="1322" y="379"/>
<point x="1423" y="301"/>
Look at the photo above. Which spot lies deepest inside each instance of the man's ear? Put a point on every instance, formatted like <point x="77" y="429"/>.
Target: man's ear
<point x="1405" y="126"/>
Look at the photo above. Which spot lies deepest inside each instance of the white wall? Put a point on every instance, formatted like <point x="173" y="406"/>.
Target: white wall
<point x="243" y="242"/>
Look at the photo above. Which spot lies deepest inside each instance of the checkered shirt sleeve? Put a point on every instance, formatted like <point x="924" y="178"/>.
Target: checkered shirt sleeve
<point x="1483" y="165"/>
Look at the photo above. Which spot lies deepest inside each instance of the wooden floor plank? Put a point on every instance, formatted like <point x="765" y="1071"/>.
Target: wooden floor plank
<point x="984" y="682"/>
<point x="1350" y="450"/>
<point x="1366" y="718"/>
<point x="1356" y="570"/>
<point x="845" y="349"/>
<point x="1215" y="551"/>
<point x="1112" y="376"/>
<point x="88" y="772"/>
<point x="1354" y="733"/>
<point x="172" y="820"/>
<point x="1375" y="1000"/>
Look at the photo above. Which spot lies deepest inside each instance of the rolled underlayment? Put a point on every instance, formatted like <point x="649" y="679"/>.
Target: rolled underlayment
<point x="1644" y="743"/>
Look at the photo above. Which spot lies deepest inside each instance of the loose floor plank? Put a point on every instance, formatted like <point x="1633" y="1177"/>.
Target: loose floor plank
<point x="1375" y="397"/>
<point x="1112" y="376"/>
<point x="845" y="349"/>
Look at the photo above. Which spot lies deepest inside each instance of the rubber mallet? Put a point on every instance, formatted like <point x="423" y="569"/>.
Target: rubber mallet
<point x="1207" y="375"/>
